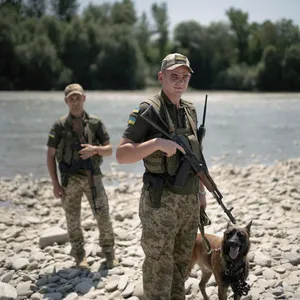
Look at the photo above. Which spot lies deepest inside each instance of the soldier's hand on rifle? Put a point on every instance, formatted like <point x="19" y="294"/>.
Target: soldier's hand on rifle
<point x="88" y="151"/>
<point x="58" y="191"/>
<point x="169" y="147"/>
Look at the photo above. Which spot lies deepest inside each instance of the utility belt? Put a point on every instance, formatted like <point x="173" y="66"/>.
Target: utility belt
<point x="156" y="183"/>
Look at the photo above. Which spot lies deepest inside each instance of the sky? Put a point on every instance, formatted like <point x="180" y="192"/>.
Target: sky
<point x="207" y="11"/>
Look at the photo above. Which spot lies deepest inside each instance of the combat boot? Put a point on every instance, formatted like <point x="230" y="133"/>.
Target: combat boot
<point x="82" y="263"/>
<point x="111" y="260"/>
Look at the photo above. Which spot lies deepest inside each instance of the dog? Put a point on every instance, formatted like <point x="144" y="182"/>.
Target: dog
<point x="227" y="261"/>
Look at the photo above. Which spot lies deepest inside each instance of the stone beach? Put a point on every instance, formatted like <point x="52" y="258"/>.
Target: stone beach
<point x="34" y="248"/>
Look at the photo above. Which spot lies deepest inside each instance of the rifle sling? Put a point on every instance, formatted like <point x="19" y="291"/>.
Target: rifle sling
<point x="204" y="221"/>
<point x="191" y="121"/>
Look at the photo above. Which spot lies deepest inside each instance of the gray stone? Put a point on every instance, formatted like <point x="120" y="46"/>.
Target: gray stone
<point x="24" y="289"/>
<point x="53" y="296"/>
<point x="85" y="287"/>
<point x="112" y="285"/>
<point x="123" y="283"/>
<point x="128" y="291"/>
<point x="262" y="260"/>
<point x="293" y="258"/>
<point x="53" y="235"/>
<point x="7" y="292"/>
<point x="6" y="277"/>
<point x="20" y="263"/>
<point x="36" y="296"/>
<point x="71" y="296"/>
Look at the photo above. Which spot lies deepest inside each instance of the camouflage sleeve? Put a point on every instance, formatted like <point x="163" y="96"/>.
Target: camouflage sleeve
<point x="137" y="128"/>
<point x="102" y="133"/>
<point x="54" y="135"/>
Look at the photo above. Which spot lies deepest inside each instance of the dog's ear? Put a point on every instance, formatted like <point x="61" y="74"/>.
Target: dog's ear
<point x="248" y="228"/>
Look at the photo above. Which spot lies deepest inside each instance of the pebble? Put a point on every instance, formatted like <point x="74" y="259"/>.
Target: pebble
<point x="34" y="248"/>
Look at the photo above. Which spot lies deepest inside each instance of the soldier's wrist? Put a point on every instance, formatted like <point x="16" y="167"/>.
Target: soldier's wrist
<point x="96" y="151"/>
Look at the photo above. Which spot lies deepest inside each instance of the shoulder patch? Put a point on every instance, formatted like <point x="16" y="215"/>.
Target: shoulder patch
<point x="133" y="116"/>
<point x="52" y="133"/>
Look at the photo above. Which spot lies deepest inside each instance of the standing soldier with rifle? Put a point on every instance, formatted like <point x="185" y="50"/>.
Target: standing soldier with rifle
<point x="78" y="141"/>
<point x="169" y="214"/>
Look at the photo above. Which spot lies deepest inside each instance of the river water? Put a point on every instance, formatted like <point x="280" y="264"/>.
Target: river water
<point x="242" y="128"/>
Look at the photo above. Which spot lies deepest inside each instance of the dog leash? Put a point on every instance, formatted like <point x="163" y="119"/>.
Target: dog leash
<point x="204" y="221"/>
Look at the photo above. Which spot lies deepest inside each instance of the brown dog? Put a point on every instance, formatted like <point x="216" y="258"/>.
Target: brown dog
<point x="227" y="261"/>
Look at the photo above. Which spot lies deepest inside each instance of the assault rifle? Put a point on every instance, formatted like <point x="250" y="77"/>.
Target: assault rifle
<point x="189" y="161"/>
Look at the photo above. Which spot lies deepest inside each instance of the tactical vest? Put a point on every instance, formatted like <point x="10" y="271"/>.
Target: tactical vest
<point x="69" y="145"/>
<point x="158" y="162"/>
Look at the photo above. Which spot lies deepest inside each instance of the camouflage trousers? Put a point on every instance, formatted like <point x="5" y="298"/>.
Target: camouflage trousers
<point x="71" y="203"/>
<point x="168" y="237"/>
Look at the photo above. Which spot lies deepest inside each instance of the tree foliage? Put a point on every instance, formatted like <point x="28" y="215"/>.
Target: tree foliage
<point x="46" y="44"/>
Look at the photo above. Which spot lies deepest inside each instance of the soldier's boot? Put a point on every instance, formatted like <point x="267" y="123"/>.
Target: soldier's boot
<point x="81" y="263"/>
<point x="111" y="260"/>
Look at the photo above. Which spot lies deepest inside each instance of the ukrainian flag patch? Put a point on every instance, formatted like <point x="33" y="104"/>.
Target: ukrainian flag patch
<point x="131" y="120"/>
<point x="52" y="133"/>
<point x="133" y="116"/>
<point x="136" y="110"/>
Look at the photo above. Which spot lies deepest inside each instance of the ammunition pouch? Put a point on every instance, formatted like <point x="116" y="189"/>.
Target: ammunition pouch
<point x="155" y="184"/>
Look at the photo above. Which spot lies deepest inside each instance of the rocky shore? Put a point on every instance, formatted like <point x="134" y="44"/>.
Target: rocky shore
<point x="34" y="248"/>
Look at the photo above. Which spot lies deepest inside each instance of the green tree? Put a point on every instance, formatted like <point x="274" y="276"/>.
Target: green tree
<point x="97" y="14"/>
<point x="36" y="8"/>
<point x="291" y="68"/>
<point x="268" y="34"/>
<point x="54" y="29"/>
<point x="270" y="70"/>
<point x="75" y="50"/>
<point x="120" y="52"/>
<point x="123" y="13"/>
<point x="143" y="35"/>
<point x="240" y="27"/>
<point x="255" y="47"/>
<point x="9" y="39"/>
<point x="287" y="34"/>
<point x="39" y="64"/>
<point x="64" y="9"/>
<point x="16" y="5"/>
<point x="160" y="16"/>
<point x="237" y="77"/>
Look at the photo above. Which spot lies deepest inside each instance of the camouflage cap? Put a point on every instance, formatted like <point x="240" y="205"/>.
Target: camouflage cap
<point x="72" y="89"/>
<point x="175" y="60"/>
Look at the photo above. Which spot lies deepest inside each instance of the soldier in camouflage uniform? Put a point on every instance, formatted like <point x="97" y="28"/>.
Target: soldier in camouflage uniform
<point x="169" y="215"/>
<point x="65" y="147"/>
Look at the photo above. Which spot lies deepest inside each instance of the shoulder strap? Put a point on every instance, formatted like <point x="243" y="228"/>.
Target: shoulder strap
<point x="87" y="130"/>
<point x="157" y="101"/>
<point x="191" y="121"/>
<point x="187" y="106"/>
